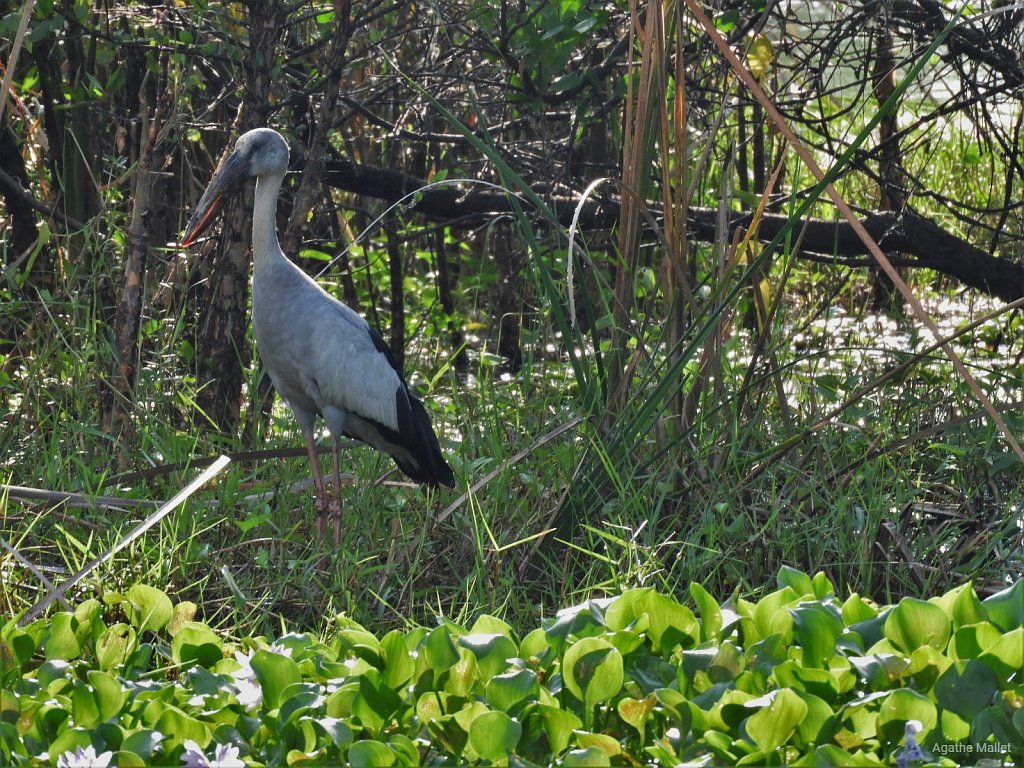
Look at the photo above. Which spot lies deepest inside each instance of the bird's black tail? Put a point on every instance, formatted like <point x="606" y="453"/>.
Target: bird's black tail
<point x="414" y="446"/>
<point x="431" y="467"/>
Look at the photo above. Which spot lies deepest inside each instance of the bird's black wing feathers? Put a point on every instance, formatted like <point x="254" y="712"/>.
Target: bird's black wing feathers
<point x="415" y="434"/>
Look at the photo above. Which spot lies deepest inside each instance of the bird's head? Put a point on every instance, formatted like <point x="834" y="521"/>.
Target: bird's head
<point x="260" y="152"/>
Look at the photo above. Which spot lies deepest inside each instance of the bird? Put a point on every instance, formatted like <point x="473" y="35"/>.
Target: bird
<point x="323" y="358"/>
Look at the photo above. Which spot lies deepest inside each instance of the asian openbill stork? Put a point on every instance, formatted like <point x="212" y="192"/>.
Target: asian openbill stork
<point x="322" y="357"/>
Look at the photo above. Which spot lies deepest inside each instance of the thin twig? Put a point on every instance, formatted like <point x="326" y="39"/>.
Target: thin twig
<point x="85" y="570"/>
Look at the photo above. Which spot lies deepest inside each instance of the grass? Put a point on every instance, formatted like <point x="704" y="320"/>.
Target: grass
<point x="879" y="516"/>
<point x="731" y="452"/>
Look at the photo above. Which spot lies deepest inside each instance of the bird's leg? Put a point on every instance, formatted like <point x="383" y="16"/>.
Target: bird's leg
<point x="336" y="501"/>
<point x="320" y="505"/>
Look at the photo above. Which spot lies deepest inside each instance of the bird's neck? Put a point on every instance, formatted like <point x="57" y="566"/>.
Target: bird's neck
<point x="265" y="246"/>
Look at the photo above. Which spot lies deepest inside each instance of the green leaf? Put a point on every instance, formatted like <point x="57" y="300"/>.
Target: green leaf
<point x="558" y="725"/>
<point x="142" y="743"/>
<point x="62" y="643"/>
<point x="592" y="670"/>
<point x="901" y="706"/>
<point x="970" y="641"/>
<point x="108" y="693"/>
<point x="771" y="727"/>
<point x="439" y="650"/>
<point x="399" y="665"/>
<point x="636" y="712"/>
<point x="275" y="672"/>
<point x="492" y="652"/>
<point x="966" y="688"/>
<point x="115" y="645"/>
<point x="494" y="735"/>
<point x="816" y="628"/>
<point x="1006" y="657"/>
<point x="370" y="754"/>
<point x="710" y="612"/>
<point x="914" y="623"/>
<point x="196" y="642"/>
<point x="1005" y="609"/>
<point x="798" y="581"/>
<point x="591" y="757"/>
<point x="151" y="608"/>
<point x="176" y="726"/>
<point x="504" y="692"/>
<point x="760" y="55"/>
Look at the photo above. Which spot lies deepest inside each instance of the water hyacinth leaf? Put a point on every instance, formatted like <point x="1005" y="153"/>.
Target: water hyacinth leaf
<point x="398" y="662"/>
<point x="504" y="692"/>
<point x="69" y="741"/>
<point x="182" y="613"/>
<point x="856" y="609"/>
<point x="670" y="623"/>
<point x="62" y="643"/>
<point x="636" y="712"/>
<point x="771" y="727"/>
<point x="771" y="617"/>
<point x="336" y="730"/>
<point x="126" y="759"/>
<point x="296" y="700"/>
<point x="819" y="722"/>
<point x="796" y="580"/>
<point x="151" y="608"/>
<point x="368" y="753"/>
<point x="591" y="757"/>
<point x="84" y="710"/>
<point x="492" y="652"/>
<point x="439" y="650"/>
<point x="494" y="735"/>
<point x="592" y="670"/>
<point x="196" y="642"/>
<point x="914" y="623"/>
<point x="901" y="706"/>
<point x="816" y="627"/>
<point x="710" y="612"/>
<point x="375" y="703"/>
<point x="963" y="606"/>
<point x="1006" y="656"/>
<point x="602" y="741"/>
<point x="177" y="726"/>
<point x="970" y="641"/>
<point x="142" y="743"/>
<point x="966" y="688"/>
<point x="107" y="693"/>
<point x="1005" y="609"/>
<point x="491" y="625"/>
<point x="114" y="646"/>
<point x="275" y="672"/>
<point x="559" y="726"/>
<point x="405" y="749"/>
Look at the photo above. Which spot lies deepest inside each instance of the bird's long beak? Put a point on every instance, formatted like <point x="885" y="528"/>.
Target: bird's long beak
<point x="230" y="174"/>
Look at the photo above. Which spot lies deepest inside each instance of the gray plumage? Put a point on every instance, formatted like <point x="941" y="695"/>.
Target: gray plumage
<point x="322" y="357"/>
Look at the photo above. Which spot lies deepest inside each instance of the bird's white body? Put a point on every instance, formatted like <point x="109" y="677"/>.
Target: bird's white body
<point x="322" y="357"/>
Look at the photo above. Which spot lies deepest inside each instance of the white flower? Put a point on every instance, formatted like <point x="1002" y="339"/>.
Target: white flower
<point x="249" y="692"/>
<point x="225" y="756"/>
<point x="84" y="757"/>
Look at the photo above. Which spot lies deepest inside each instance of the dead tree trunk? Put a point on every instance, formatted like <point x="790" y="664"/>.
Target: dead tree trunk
<point x="223" y="350"/>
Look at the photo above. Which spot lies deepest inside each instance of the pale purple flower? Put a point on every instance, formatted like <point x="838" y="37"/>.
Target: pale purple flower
<point x="911" y="752"/>
<point x="84" y="757"/>
<point x="225" y="756"/>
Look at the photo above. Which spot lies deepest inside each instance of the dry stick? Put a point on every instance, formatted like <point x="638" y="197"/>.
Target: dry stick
<point x="855" y="224"/>
<point x="12" y="60"/>
<point x="136" y="532"/>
